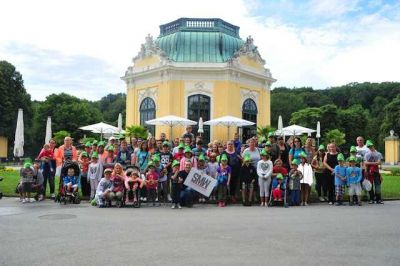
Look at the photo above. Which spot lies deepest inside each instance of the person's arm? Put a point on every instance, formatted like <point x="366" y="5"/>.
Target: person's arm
<point x="260" y="172"/>
<point x="326" y="163"/>
<point x="229" y="179"/>
<point x="269" y="171"/>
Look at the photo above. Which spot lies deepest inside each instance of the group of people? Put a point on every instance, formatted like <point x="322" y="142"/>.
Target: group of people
<point x="155" y="170"/>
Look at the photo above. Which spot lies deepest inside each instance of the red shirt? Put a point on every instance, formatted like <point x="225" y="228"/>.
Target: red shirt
<point x="151" y="180"/>
<point x="178" y="156"/>
<point x="46" y="153"/>
<point x="118" y="183"/>
<point x="279" y="169"/>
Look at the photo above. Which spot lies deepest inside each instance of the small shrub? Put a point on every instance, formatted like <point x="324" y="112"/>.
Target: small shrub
<point x="395" y="171"/>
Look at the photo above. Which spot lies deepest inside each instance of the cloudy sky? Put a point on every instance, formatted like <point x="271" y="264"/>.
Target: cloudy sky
<point x="84" y="47"/>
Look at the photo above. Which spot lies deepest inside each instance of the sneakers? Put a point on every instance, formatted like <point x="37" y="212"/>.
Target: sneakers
<point x="53" y="196"/>
<point x="371" y="202"/>
<point x="169" y="198"/>
<point x="179" y="206"/>
<point x="337" y="204"/>
<point x="321" y="199"/>
<point x="173" y="206"/>
<point x="330" y="203"/>
<point x="25" y="200"/>
<point x="32" y="200"/>
<point x="379" y="202"/>
<point x="305" y="204"/>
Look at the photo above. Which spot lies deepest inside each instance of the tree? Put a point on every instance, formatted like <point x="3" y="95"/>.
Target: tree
<point x="391" y="119"/>
<point x="284" y="104"/>
<point x="60" y="135"/>
<point x="136" y="132"/>
<point x="353" y="122"/>
<point x="307" y="117"/>
<point x="335" y="136"/>
<point x="111" y="106"/>
<point x="262" y="132"/>
<point x="13" y="97"/>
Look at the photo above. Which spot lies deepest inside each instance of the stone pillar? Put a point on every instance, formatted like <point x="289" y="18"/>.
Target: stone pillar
<point x="392" y="149"/>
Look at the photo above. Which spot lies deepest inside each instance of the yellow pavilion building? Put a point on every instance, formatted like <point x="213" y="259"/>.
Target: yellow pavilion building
<point x="198" y="68"/>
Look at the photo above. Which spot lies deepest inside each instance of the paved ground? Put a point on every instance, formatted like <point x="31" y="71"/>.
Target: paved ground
<point x="46" y="233"/>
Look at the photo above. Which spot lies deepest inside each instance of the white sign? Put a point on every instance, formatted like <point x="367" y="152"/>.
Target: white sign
<point x="200" y="182"/>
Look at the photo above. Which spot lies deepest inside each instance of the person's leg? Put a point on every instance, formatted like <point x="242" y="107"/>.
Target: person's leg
<point x="46" y="178"/>
<point x="92" y="188"/>
<point x="262" y="190"/>
<point x="318" y="184"/>
<point x="251" y="191"/>
<point x="331" y="188"/>
<point x="267" y="189"/>
<point x="243" y="193"/>
<point x="377" y="183"/>
<point x="307" y="193"/>
<point x="324" y="179"/>
<point x="302" y="193"/>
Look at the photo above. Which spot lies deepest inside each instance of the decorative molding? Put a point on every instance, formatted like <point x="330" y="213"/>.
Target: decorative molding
<point x="150" y="48"/>
<point x="248" y="49"/>
<point x="249" y="94"/>
<point x="199" y="87"/>
<point x="148" y="92"/>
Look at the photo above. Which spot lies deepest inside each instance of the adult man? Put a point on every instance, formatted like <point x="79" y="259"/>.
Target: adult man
<point x="372" y="161"/>
<point x="361" y="148"/>
<point x="199" y="149"/>
<point x="124" y="155"/>
<point x="186" y="195"/>
<point x="237" y="143"/>
<point x="189" y="134"/>
<point x="274" y="151"/>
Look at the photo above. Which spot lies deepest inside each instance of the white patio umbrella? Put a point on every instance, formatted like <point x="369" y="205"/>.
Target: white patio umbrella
<point x="200" y="130"/>
<point x="48" y="130"/>
<point x="228" y="121"/>
<point x="120" y="122"/>
<point x="280" y="123"/>
<point x="102" y="128"/>
<point x="171" y="120"/>
<point x="318" y="136"/>
<point x="19" y="135"/>
<point x="294" y="130"/>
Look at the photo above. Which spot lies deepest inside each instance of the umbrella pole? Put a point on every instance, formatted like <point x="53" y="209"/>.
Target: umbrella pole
<point x="228" y="133"/>
<point x="170" y="134"/>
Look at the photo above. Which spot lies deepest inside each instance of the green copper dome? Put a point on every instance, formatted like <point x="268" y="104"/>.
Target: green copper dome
<point x="199" y="40"/>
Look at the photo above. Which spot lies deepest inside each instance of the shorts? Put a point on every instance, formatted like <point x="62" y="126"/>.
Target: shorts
<point x="26" y="187"/>
<point x="339" y="190"/>
<point x="355" y="189"/>
<point x="247" y="186"/>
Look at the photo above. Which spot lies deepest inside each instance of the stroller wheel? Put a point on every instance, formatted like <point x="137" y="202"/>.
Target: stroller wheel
<point x="77" y="200"/>
<point x="118" y="203"/>
<point x="136" y="204"/>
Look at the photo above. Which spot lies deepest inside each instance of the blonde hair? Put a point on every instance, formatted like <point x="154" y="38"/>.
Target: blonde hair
<point x="122" y="173"/>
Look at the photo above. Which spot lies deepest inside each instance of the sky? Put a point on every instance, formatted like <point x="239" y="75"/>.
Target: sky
<point x="84" y="47"/>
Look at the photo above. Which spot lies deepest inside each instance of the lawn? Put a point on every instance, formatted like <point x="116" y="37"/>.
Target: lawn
<point x="390" y="185"/>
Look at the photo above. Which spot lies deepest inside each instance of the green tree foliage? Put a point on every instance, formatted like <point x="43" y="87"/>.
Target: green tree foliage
<point x="111" y="106"/>
<point x="136" y="132"/>
<point x="391" y="120"/>
<point x="60" y="135"/>
<point x="307" y="117"/>
<point x="336" y="136"/>
<point x="13" y="97"/>
<point x="262" y="132"/>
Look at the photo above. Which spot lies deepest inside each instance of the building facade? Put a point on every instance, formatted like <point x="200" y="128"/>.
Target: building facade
<point x="198" y="68"/>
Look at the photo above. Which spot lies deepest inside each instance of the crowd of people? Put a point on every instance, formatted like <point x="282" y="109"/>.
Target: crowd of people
<point x="154" y="171"/>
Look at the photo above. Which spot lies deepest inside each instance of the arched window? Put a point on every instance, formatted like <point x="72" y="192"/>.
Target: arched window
<point x="249" y="113"/>
<point x="199" y="106"/>
<point x="147" y="112"/>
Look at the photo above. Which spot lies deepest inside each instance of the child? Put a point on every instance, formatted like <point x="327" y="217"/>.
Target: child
<point x="223" y="180"/>
<point x="202" y="166"/>
<point x="180" y="153"/>
<point x="353" y="176"/>
<point x="188" y="156"/>
<point x="95" y="172"/>
<point x="176" y="186"/>
<point x="104" y="189"/>
<point x="151" y="182"/>
<point x="248" y="175"/>
<point x="162" y="180"/>
<point x="277" y="191"/>
<point x="212" y="167"/>
<point x="132" y="183"/>
<point x="264" y="171"/>
<point x="294" y="183"/>
<point x="118" y="181"/>
<point x="340" y="179"/>
<point x="45" y="155"/>
<point x="25" y="187"/>
<point x="307" y="172"/>
<point x="84" y="162"/>
<point x="70" y="182"/>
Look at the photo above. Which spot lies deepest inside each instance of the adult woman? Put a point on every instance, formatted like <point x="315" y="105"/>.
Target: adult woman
<point x="295" y="151"/>
<point x="330" y="161"/>
<point x="49" y="170"/>
<point x="284" y="153"/>
<point x="214" y="149"/>
<point x="143" y="157"/>
<point x="320" y="174"/>
<point x="65" y="152"/>
<point x="152" y="144"/>
<point x="234" y="161"/>
<point x="253" y="151"/>
<point x="309" y="149"/>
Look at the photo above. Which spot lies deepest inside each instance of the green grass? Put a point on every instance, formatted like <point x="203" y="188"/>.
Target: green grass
<point x="390" y="185"/>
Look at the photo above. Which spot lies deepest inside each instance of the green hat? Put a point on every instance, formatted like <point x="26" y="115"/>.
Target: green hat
<point x="165" y="143"/>
<point x="247" y="157"/>
<point x="175" y="163"/>
<point x="268" y="143"/>
<point x="279" y="176"/>
<point x="340" y="157"/>
<point x="187" y="149"/>
<point x="369" y="143"/>
<point x="201" y="157"/>
<point x="353" y="149"/>
<point x="27" y="165"/>
<point x="95" y="155"/>
<point x="94" y="142"/>
<point x="150" y="164"/>
<point x="84" y="154"/>
<point x="110" y="148"/>
<point x="303" y="154"/>
<point x="321" y="147"/>
<point x="352" y="159"/>
<point x="270" y="134"/>
<point x="263" y="152"/>
<point x="101" y="143"/>
<point x="224" y="157"/>
<point x="156" y="158"/>
<point x="88" y="144"/>
<point x="181" y="146"/>
<point x="295" y="162"/>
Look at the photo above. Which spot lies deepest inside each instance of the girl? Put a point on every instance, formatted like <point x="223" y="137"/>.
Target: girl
<point x="84" y="163"/>
<point x="248" y="175"/>
<point x="320" y="174"/>
<point x="264" y="171"/>
<point x="151" y="183"/>
<point x="188" y="156"/>
<point x="118" y="179"/>
<point x="223" y="180"/>
<point x="212" y="167"/>
<point x="306" y="170"/>
<point x="132" y="183"/>
<point x="95" y="172"/>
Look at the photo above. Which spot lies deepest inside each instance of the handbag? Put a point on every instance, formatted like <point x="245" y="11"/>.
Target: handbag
<point x="366" y="184"/>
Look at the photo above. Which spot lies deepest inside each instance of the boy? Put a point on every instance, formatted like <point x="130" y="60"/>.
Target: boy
<point x="248" y="176"/>
<point x="353" y="175"/>
<point x="277" y="191"/>
<point x="340" y="179"/>
<point x="70" y="182"/>
<point x="294" y="183"/>
<point x="104" y="189"/>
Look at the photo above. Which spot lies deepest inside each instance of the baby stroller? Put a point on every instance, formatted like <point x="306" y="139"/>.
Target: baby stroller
<point x="275" y="200"/>
<point x="132" y="194"/>
<point x="63" y="196"/>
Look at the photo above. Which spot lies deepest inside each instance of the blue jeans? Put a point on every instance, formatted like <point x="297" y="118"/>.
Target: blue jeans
<point x="186" y="197"/>
<point x="295" y="197"/>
